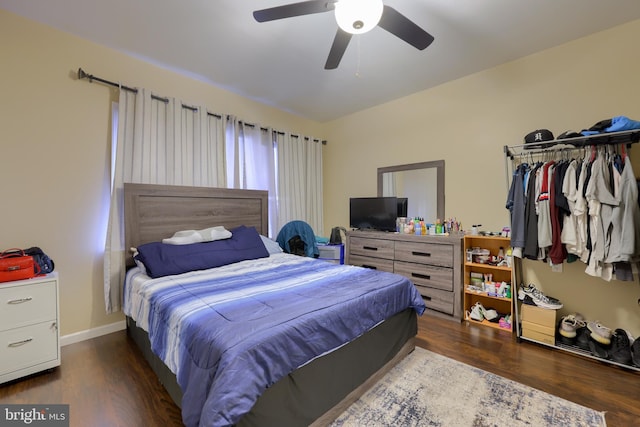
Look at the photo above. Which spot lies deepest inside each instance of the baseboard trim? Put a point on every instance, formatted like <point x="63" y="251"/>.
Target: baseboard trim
<point x="92" y="333"/>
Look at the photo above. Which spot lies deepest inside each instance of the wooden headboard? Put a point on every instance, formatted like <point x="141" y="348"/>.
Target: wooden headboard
<point x="154" y="212"/>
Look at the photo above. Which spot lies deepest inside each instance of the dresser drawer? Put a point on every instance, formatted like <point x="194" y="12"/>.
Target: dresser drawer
<point x="28" y="346"/>
<point x="427" y="253"/>
<point x="378" y="248"/>
<point x="426" y="275"/>
<point x="369" y="262"/>
<point x="436" y="299"/>
<point x="27" y="304"/>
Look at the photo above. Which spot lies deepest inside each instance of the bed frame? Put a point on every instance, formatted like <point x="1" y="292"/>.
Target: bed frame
<point x="314" y="394"/>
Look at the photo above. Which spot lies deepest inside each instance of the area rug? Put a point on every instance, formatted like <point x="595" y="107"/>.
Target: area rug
<point x="428" y="389"/>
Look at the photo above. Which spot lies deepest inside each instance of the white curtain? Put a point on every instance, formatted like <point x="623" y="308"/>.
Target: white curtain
<point x="389" y="184"/>
<point x="299" y="171"/>
<point x="159" y="142"/>
<point x="251" y="162"/>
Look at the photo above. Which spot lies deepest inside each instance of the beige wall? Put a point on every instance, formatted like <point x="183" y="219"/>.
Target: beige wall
<point x="468" y="121"/>
<point x="56" y="132"/>
<point x="54" y="139"/>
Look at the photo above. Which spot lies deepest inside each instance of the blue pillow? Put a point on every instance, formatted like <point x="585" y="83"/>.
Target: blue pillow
<point x="162" y="259"/>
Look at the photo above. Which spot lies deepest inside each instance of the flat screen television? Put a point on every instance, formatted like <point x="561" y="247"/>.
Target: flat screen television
<point x="403" y="203"/>
<point x="373" y="213"/>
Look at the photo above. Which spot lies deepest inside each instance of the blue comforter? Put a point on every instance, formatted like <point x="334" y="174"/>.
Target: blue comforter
<point x="231" y="332"/>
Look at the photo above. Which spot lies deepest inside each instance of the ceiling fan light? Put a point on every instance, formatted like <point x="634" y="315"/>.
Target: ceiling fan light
<point x="358" y="16"/>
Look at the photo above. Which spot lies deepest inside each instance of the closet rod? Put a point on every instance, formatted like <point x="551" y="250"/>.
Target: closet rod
<point x="84" y="75"/>
<point x="610" y="138"/>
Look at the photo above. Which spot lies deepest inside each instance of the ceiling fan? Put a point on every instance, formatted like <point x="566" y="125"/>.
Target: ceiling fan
<point x="353" y="17"/>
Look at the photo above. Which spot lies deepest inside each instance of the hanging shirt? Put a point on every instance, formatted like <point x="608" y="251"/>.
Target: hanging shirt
<point x="544" y="215"/>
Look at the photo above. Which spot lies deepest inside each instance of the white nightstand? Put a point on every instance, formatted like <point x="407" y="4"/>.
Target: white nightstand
<point x="29" y="336"/>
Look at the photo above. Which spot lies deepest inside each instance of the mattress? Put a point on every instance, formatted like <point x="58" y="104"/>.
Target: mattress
<point x="231" y="332"/>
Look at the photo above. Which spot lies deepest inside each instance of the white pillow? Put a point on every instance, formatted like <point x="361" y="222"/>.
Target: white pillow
<point x="187" y="237"/>
<point x="272" y="246"/>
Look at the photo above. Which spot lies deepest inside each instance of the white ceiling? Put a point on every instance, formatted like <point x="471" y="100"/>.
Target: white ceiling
<point x="281" y="63"/>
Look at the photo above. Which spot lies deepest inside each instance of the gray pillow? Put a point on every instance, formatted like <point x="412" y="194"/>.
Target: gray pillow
<point x="272" y="246"/>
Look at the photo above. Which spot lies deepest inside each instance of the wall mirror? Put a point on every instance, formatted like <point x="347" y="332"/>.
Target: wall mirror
<point x="421" y="183"/>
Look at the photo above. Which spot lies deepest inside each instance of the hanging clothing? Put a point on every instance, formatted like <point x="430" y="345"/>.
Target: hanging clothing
<point x="586" y="209"/>
<point x="531" y="250"/>
<point x="516" y="205"/>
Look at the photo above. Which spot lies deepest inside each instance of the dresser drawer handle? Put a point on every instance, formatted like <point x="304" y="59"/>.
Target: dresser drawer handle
<point x="421" y="276"/>
<point x="427" y="254"/>
<point x="19" y="300"/>
<point x="19" y="343"/>
<point x="370" y="248"/>
<point x="372" y="267"/>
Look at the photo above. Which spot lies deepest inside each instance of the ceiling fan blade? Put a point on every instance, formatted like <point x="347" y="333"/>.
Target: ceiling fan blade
<point x="293" y="9"/>
<point x="402" y="27"/>
<point x="340" y="43"/>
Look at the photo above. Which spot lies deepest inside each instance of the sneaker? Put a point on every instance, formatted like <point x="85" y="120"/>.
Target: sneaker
<point x="598" y="349"/>
<point x="491" y="315"/>
<point x="583" y="336"/>
<point x="635" y="352"/>
<point x="620" y="347"/>
<point x="599" y="332"/>
<point x="569" y="324"/>
<point x="526" y="300"/>
<point x="476" y="312"/>
<point x="562" y="338"/>
<point x="540" y="299"/>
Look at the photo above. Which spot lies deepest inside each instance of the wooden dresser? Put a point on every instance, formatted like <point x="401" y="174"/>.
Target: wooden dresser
<point x="432" y="263"/>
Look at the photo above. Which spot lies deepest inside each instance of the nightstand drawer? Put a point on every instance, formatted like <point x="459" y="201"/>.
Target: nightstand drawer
<point x="28" y="346"/>
<point x="426" y="275"/>
<point x="378" y="248"/>
<point x="375" y="263"/>
<point x="438" y="300"/>
<point x="425" y="253"/>
<point x="27" y="304"/>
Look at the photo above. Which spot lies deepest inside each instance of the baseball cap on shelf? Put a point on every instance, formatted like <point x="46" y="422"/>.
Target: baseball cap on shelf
<point x="537" y="138"/>
<point x="570" y="134"/>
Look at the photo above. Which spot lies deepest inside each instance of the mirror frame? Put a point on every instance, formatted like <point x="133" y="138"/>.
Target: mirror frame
<point x="437" y="164"/>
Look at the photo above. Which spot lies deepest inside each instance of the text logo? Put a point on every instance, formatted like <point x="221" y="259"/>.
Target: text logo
<point x="34" y="415"/>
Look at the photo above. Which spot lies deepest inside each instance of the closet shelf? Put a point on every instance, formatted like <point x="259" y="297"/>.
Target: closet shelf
<point x="625" y="137"/>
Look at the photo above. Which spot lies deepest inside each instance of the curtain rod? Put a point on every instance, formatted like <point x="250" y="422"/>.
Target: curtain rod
<point x="84" y="75"/>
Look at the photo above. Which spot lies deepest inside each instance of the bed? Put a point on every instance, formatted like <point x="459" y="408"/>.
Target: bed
<point x="270" y="372"/>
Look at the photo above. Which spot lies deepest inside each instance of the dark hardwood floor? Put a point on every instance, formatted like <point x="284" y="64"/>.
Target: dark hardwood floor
<point x="107" y="382"/>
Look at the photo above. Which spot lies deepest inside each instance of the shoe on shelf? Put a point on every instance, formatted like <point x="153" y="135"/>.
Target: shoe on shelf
<point x="599" y="332"/>
<point x="491" y="315"/>
<point x="635" y="352"/>
<point x="526" y="299"/>
<point x="539" y="299"/>
<point x="560" y="337"/>
<point x="476" y="312"/>
<point x="583" y="336"/>
<point x="620" y="347"/>
<point x="598" y="349"/>
<point x="569" y="324"/>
